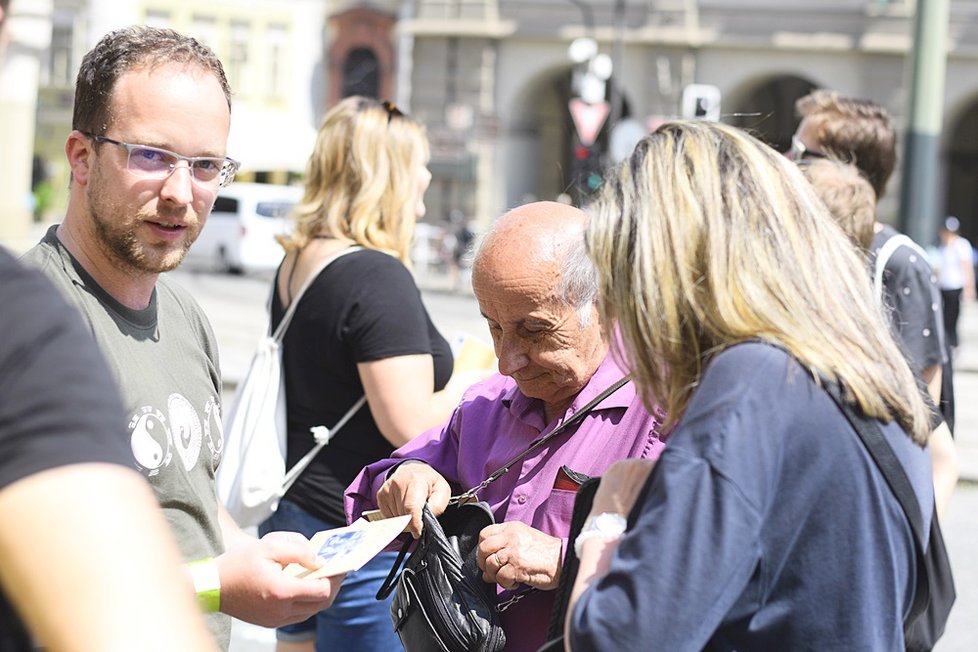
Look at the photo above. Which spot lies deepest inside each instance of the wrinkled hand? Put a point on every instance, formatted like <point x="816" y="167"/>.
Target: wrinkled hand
<point x="407" y="490"/>
<point x="254" y="588"/>
<point x="514" y="553"/>
<point x="620" y="486"/>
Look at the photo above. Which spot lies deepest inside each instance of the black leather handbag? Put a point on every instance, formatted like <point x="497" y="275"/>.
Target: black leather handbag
<point x="441" y="601"/>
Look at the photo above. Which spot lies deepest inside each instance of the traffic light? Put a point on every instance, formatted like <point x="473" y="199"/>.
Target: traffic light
<point x="588" y="173"/>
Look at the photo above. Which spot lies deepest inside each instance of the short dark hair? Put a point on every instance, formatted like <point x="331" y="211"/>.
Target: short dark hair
<point x="128" y="49"/>
<point x="855" y="131"/>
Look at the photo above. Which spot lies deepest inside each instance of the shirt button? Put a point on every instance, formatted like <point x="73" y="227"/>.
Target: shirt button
<point x="906" y="291"/>
<point x="521" y="499"/>
<point x="926" y="332"/>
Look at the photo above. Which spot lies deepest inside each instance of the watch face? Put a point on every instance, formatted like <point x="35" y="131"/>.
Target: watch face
<point x="609" y="522"/>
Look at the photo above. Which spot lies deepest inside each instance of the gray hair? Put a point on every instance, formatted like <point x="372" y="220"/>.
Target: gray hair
<point x="578" y="284"/>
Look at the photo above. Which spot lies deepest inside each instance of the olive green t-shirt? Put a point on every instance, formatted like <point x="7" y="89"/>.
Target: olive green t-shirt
<point x="165" y="360"/>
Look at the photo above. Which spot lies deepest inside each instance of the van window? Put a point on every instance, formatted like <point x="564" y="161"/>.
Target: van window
<point x="225" y="205"/>
<point x="274" y="208"/>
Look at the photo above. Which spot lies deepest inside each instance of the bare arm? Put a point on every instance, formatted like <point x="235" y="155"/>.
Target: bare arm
<point x="944" y="465"/>
<point x="90" y="563"/>
<point x="403" y="403"/>
<point x="617" y="492"/>
<point x="968" y="274"/>
<point x="943" y="456"/>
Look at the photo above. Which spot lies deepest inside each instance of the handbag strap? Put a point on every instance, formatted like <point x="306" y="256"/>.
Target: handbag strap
<point x="287" y="317"/>
<point x="896" y="477"/>
<point x="575" y="418"/>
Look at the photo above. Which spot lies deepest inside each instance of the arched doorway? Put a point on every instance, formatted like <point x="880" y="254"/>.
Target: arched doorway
<point x="766" y="108"/>
<point x="961" y="163"/>
<point x="361" y="73"/>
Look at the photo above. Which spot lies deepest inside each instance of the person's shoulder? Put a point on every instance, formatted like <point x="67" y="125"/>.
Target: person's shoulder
<point x="753" y="355"/>
<point x="31" y="302"/>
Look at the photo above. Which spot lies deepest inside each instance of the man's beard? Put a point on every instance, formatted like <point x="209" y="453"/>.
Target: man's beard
<point x="122" y="244"/>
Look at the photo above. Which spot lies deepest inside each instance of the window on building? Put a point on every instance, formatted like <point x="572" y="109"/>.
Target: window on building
<point x="238" y="58"/>
<point x="277" y="35"/>
<point x="204" y="29"/>
<point x="361" y="73"/>
<point x="61" y="65"/>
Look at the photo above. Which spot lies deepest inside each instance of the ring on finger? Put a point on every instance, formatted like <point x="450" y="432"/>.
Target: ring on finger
<point x="499" y="562"/>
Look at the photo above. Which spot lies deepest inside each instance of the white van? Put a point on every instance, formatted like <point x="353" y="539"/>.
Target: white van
<point x="239" y="235"/>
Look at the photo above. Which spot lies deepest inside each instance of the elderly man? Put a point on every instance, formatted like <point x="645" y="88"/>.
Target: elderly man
<point x="536" y="288"/>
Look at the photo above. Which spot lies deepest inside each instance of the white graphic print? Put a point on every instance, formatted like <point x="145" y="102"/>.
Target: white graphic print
<point x="150" y="440"/>
<point x="214" y="431"/>
<point x="185" y="429"/>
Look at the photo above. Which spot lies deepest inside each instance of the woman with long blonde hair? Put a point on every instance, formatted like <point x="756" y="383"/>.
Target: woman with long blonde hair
<point x="360" y="329"/>
<point x="765" y="524"/>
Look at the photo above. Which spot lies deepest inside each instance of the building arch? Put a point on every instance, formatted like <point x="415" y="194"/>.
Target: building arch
<point x="765" y="106"/>
<point x="960" y="162"/>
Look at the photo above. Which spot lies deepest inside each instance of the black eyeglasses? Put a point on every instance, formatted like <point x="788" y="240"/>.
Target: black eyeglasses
<point x="799" y="152"/>
<point x="158" y="163"/>
<point x="392" y="110"/>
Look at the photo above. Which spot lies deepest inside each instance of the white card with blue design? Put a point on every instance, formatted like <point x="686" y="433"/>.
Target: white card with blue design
<point x="345" y="549"/>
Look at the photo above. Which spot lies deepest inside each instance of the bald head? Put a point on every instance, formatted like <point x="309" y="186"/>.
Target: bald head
<point x="536" y="288"/>
<point x="543" y="239"/>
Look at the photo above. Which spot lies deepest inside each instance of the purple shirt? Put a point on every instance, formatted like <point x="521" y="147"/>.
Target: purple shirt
<point x="493" y="424"/>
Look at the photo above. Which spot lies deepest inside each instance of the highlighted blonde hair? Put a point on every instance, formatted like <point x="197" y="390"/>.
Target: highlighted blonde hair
<point x="705" y="238"/>
<point x="361" y="179"/>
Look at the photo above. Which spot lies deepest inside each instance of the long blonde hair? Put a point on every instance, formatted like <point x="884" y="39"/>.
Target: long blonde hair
<point x="705" y="238"/>
<point x="361" y="178"/>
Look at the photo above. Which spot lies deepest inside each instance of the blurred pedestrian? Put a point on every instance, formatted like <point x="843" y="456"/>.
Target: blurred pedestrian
<point x="360" y="329"/>
<point x="861" y="132"/>
<point x="536" y="288"/>
<point x="133" y="211"/>
<point x="463" y="241"/>
<point x="955" y="276"/>
<point x="765" y="524"/>
<point x="76" y="515"/>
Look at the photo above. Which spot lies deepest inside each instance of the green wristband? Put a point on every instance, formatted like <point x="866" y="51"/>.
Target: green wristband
<point x="207" y="584"/>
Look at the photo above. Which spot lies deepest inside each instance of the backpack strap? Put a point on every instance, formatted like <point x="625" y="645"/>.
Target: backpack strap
<point x="287" y="317"/>
<point x="883" y="257"/>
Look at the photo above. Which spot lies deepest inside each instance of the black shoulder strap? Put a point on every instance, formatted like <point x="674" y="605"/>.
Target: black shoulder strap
<point x="574" y="418"/>
<point x="882" y="453"/>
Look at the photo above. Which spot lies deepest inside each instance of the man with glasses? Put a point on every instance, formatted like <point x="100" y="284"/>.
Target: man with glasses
<point x="147" y="157"/>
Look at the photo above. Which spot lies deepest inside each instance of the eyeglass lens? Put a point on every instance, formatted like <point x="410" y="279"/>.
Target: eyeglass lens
<point x="153" y="161"/>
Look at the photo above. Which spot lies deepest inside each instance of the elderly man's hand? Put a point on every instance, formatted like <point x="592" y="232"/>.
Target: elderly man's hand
<point x="407" y="490"/>
<point x="514" y="553"/>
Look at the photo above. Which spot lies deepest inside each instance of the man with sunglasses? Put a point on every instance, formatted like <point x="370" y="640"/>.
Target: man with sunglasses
<point x="147" y="157"/>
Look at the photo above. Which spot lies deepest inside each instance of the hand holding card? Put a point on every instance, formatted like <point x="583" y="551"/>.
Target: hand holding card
<point x="346" y="549"/>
